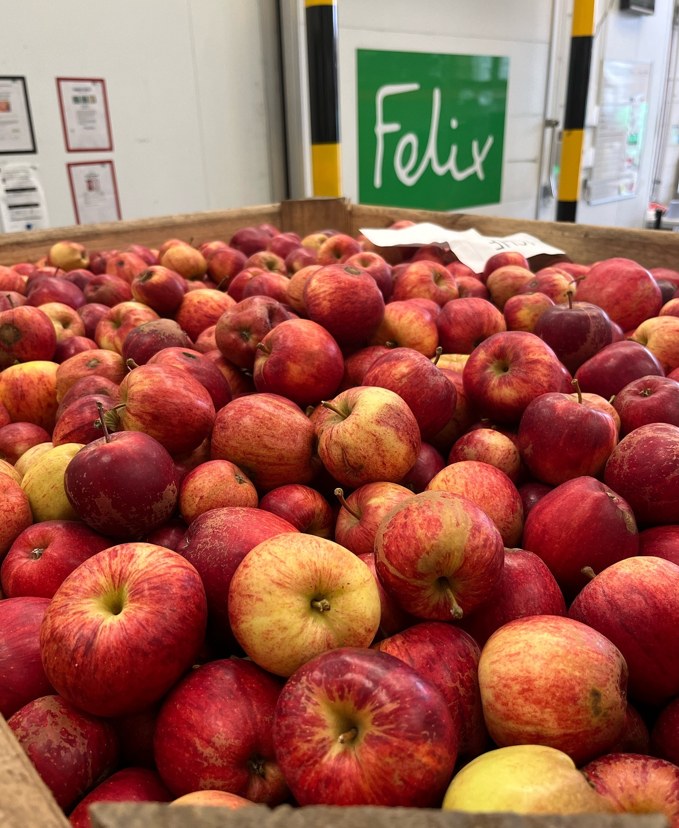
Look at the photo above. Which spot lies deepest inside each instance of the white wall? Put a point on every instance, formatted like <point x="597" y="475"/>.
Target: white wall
<point x="193" y="89"/>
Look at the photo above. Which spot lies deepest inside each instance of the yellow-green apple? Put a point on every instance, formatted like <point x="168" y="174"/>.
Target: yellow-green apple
<point x="553" y="281"/>
<point x="44" y="481"/>
<point x="54" y="289"/>
<point x="337" y="248"/>
<point x="664" y="732"/>
<point x="121" y="484"/>
<point x="225" y="696"/>
<point x="184" y="259"/>
<point x="488" y="445"/>
<point x="44" y="554"/>
<point x="8" y="469"/>
<point x="26" y="333"/>
<point x="16" y="438"/>
<point x="210" y="797"/>
<point x="168" y="404"/>
<point x="448" y="658"/>
<point x="68" y="255"/>
<point x="661" y="542"/>
<point x="580" y="525"/>
<point x="623" y="288"/>
<point x="267" y="436"/>
<point x="428" y="279"/>
<point x="490" y="489"/>
<point x="647" y="400"/>
<point x="355" y="726"/>
<point x="660" y="334"/>
<point x="91" y="313"/>
<point x="193" y="363"/>
<point x="79" y="421"/>
<point x="201" y="308"/>
<point x="464" y="323"/>
<point x="367" y="434"/>
<point x="71" y="750"/>
<point x="578" y="447"/>
<point x="302" y="506"/>
<point x="523" y="779"/>
<point x="133" y="618"/>
<point x="295" y="292"/>
<point x="242" y="327"/>
<point x="509" y="369"/>
<point x="112" y="329"/>
<point x="522" y="311"/>
<point x="31" y="455"/>
<point x="345" y="300"/>
<point x="126" y="265"/>
<point x="267" y="260"/>
<point x="107" y="289"/>
<point x="300" y="360"/>
<point x="160" y="288"/>
<point x="642" y="469"/>
<point x="295" y="595"/>
<point x="636" y="784"/>
<point x="616" y="365"/>
<point x="577" y="679"/>
<point x="635" y="604"/>
<point x="506" y="281"/>
<point x="503" y="259"/>
<point x="439" y="554"/>
<point x="125" y="785"/>
<point x="362" y="511"/>
<point x="378" y="267"/>
<point x="223" y="264"/>
<point x="429" y="463"/>
<point x="145" y="340"/>
<point x="21" y="670"/>
<point x="430" y="395"/>
<point x="526" y="587"/>
<point x="213" y="485"/>
<point x="409" y="325"/>
<point x="215" y="543"/>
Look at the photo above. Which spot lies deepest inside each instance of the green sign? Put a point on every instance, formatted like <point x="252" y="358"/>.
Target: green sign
<point x="430" y="129"/>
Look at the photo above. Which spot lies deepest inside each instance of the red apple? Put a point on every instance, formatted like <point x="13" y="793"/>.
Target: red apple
<point x="362" y="512"/>
<point x="506" y="281"/>
<point x="284" y="243"/>
<point x="643" y="470"/>
<point x="184" y="259"/>
<point x="346" y="301"/>
<point x="71" y="750"/>
<point x="647" y="400"/>
<point x="250" y="239"/>
<point x="107" y="289"/>
<point x="210" y="797"/>
<point x="15" y="512"/>
<point x="337" y="248"/>
<point x="112" y="329"/>
<point x="378" y="267"/>
<point x="635" y="604"/>
<point x="439" y="554"/>
<point x="91" y="313"/>
<point x="526" y="587"/>
<point x="616" y="365"/>
<point x="357" y="363"/>
<point x="54" y="289"/>
<point x="231" y="696"/>
<point x="300" y="360"/>
<point x="523" y="311"/>
<point x="305" y="508"/>
<point x="488" y="445"/>
<point x="212" y="485"/>
<point x="86" y="386"/>
<point x="660" y="334"/>
<point x="506" y="257"/>
<point x="429" y="463"/>
<point x="242" y="327"/>
<point x="267" y="436"/>
<point x="577" y="677"/>
<point x="508" y="370"/>
<point x="408" y="325"/>
<point x="359" y="727"/>
<point x="160" y="288"/>
<point x="580" y="525"/>
<point x="267" y="260"/>
<point x="223" y="264"/>
<point x="448" y="658"/>
<point x="28" y="392"/>
<point x="133" y="618"/>
<point x="16" y="438"/>
<point x="487" y="487"/>
<point x="623" y="288"/>
<point x="201" y="308"/>
<point x="126" y="265"/>
<point x="428" y="279"/>
<point x="665" y="733"/>
<point x="661" y="542"/>
<point x="195" y="365"/>
<point x="367" y="434"/>
<point x="22" y="677"/>
<point x="145" y="340"/>
<point x="26" y="333"/>
<point x="552" y="281"/>
<point x="575" y="331"/>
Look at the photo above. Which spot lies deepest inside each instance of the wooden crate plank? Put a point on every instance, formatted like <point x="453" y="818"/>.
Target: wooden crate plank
<point x="313" y="214"/>
<point x="25" y="801"/>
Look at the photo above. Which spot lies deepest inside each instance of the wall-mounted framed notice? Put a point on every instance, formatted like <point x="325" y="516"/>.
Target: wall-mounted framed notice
<point x="94" y="191"/>
<point x="84" y="114"/>
<point x="16" y="124"/>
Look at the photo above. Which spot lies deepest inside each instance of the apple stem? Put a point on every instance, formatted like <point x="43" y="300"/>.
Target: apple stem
<point x="221" y="282"/>
<point x="262" y="347"/>
<point x="578" y="390"/>
<point x="348" y="736"/>
<point x="321" y="604"/>
<point x="455" y="608"/>
<point x="257" y="767"/>
<point x="390" y="344"/>
<point x="339" y="494"/>
<point x="37" y="553"/>
<point x="130" y="364"/>
<point x="437" y="354"/>
<point x="332" y="407"/>
<point x="588" y="572"/>
<point x="569" y="296"/>
<point x="102" y="420"/>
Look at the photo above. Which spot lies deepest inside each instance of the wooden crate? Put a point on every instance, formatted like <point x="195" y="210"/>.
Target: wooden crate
<point x="581" y="242"/>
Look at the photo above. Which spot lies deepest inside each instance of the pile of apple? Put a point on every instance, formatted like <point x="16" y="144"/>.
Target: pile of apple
<point x="298" y="520"/>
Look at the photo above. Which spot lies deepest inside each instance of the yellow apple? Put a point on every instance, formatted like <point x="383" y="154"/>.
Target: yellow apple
<point x="222" y="799"/>
<point x="43" y="483"/>
<point x="30" y="456"/>
<point x="9" y="470"/>
<point x="523" y="779"/>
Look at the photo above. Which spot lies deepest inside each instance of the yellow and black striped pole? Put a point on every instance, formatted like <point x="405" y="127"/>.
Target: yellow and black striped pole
<point x="321" y="36"/>
<point x="582" y="34"/>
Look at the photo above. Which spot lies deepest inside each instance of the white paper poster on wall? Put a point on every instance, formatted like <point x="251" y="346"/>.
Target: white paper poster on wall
<point x="16" y="126"/>
<point x="94" y="191"/>
<point x="22" y="199"/>
<point x="84" y="114"/>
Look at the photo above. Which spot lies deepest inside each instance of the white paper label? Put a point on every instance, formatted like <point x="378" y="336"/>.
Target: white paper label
<point x="22" y="200"/>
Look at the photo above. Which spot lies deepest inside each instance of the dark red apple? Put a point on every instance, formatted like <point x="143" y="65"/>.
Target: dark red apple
<point x="616" y="365"/>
